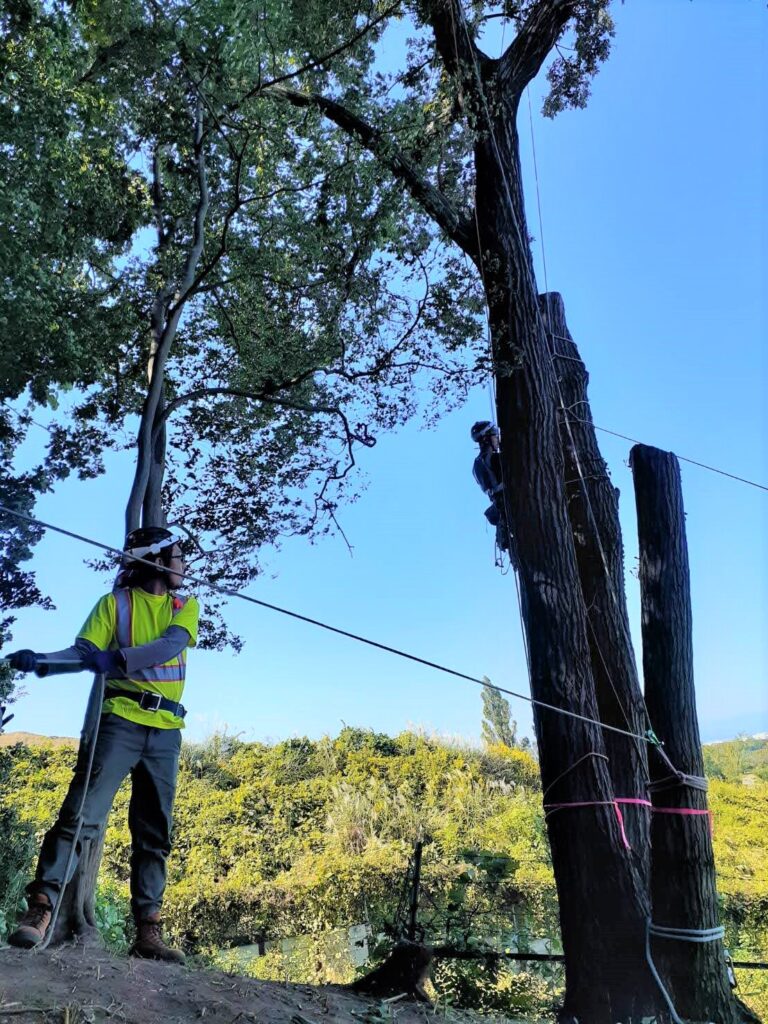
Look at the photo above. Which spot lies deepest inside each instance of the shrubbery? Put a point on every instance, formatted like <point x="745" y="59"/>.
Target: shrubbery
<point x="305" y="838"/>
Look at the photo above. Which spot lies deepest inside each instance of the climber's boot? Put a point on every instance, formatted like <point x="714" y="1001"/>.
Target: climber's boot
<point x="34" y="924"/>
<point x="149" y="942"/>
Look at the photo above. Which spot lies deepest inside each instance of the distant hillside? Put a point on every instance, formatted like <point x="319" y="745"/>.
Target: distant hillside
<point x="33" y="739"/>
<point x="739" y="760"/>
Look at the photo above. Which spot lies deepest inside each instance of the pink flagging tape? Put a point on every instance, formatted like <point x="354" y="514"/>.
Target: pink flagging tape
<point x="637" y="801"/>
<point x="551" y="808"/>
<point x="688" y="812"/>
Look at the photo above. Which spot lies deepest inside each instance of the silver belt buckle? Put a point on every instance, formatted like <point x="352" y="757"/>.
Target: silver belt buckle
<point x="153" y="701"/>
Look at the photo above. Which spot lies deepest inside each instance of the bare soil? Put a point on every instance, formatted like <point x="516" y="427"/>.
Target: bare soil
<point x="83" y="985"/>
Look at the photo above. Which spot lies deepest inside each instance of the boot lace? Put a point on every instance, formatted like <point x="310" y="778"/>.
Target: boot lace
<point x="35" y="915"/>
<point x="154" y="933"/>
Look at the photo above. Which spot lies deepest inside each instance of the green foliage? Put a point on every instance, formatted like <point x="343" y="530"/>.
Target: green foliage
<point x="735" y="759"/>
<point x="157" y="195"/>
<point x="160" y="191"/>
<point x="113" y="915"/>
<point x="497" y="986"/>
<point x="17" y="848"/>
<point x="290" y="844"/>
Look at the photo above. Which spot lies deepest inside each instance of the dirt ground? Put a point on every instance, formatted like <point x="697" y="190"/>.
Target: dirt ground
<point x="75" y="985"/>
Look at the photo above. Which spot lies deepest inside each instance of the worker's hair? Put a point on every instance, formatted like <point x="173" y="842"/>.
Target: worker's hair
<point x="151" y="544"/>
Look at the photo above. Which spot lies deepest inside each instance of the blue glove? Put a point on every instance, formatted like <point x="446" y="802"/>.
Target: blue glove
<point x="105" y="662"/>
<point x="23" y="661"/>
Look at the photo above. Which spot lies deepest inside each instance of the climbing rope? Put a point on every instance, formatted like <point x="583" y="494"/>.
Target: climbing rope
<point x="697" y="935"/>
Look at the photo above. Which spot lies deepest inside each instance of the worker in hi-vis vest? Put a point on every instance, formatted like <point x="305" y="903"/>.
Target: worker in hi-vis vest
<point x="137" y="637"/>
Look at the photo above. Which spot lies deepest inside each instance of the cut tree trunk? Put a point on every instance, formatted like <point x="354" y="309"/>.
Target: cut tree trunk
<point x="76" y="920"/>
<point x="405" y="971"/>
<point x="76" y="917"/>
<point x="593" y="509"/>
<point x="603" y="902"/>
<point x="683" y="888"/>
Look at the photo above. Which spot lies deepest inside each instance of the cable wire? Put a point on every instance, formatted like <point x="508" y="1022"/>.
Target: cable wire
<point x="227" y="592"/>
<point x="683" y="458"/>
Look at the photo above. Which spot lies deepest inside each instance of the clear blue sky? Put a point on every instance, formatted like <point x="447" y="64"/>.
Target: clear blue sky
<point x="654" y="200"/>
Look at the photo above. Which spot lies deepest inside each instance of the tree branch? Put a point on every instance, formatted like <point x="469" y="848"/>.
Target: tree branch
<point x="460" y="54"/>
<point x="431" y="199"/>
<point x="198" y="239"/>
<point x="527" y="52"/>
<point x="317" y="62"/>
<point x="199" y="393"/>
<point x="165" y="321"/>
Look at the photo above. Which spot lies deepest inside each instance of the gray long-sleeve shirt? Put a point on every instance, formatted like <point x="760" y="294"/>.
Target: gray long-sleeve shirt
<point x="157" y="652"/>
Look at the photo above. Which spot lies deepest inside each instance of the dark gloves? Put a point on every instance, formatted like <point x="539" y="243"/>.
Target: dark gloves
<point x="104" y="662"/>
<point x="23" y="661"/>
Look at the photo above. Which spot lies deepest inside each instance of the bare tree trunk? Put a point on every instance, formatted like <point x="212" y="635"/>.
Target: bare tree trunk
<point x="146" y="490"/>
<point x="77" y="908"/>
<point x="153" y="513"/>
<point x="683" y="887"/>
<point x="603" y="902"/>
<point x="593" y="509"/>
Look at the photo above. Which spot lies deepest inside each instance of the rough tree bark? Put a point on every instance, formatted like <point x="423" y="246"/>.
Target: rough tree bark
<point x="683" y="887"/>
<point x="593" y="509"/>
<point x="76" y="917"/>
<point x="603" y="902"/>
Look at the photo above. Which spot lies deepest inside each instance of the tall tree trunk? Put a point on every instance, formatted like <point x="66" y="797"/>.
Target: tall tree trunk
<point x="153" y="513"/>
<point x="593" y="509"/>
<point x="683" y="888"/>
<point x="603" y="903"/>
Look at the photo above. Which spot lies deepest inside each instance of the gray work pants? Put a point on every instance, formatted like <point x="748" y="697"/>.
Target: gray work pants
<point x="151" y="756"/>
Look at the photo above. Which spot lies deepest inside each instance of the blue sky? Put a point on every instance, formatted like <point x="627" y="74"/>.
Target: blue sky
<point x="654" y="204"/>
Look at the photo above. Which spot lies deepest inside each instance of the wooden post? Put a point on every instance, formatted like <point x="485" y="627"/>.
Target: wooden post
<point x="415" y="883"/>
<point x="683" y="888"/>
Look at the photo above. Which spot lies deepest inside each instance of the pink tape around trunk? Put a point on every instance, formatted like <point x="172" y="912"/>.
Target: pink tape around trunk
<point x="688" y="812"/>
<point x="551" y="808"/>
<point x="637" y="801"/>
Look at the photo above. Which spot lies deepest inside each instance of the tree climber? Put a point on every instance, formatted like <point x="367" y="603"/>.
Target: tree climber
<point x="137" y="637"/>
<point x="486" y="470"/>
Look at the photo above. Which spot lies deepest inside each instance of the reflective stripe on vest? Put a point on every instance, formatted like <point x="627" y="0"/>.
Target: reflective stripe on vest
<point x="174" y="671"/>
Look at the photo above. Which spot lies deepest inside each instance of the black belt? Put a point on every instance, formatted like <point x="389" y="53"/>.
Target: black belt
<point x="148" y="701"/>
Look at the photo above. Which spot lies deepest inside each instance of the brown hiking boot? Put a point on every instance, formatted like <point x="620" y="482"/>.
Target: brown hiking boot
<point x="149" y="942"/>
<point x="34" y="924"/>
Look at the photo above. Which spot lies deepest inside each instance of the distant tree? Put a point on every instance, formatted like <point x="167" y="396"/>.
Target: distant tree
<point x="498" y="725"/>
